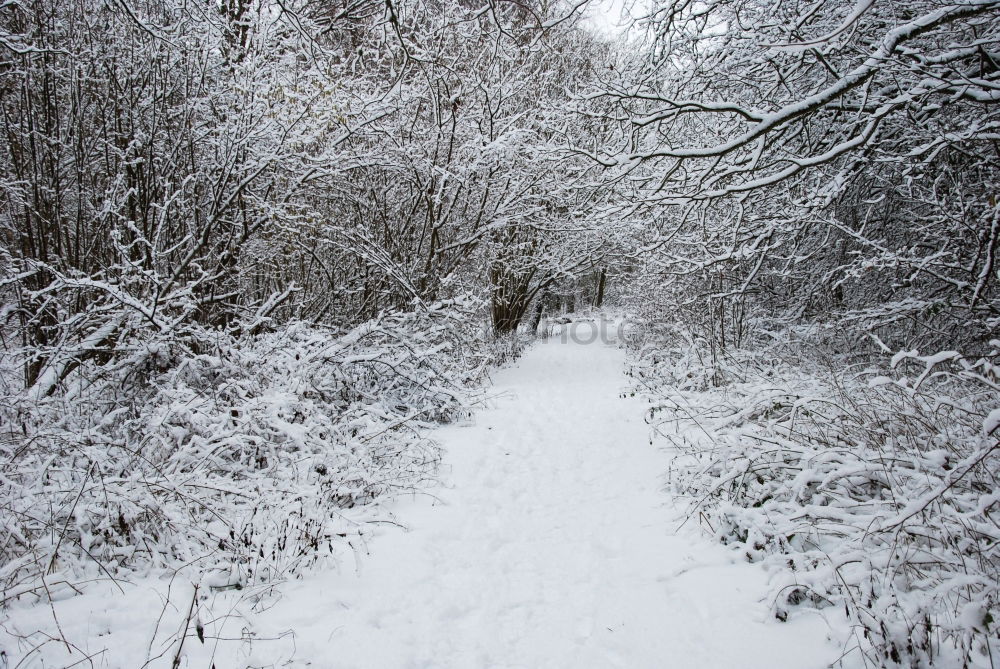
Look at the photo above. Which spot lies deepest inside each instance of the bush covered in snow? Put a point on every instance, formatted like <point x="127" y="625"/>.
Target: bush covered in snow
<point x="252" y="456"/>
<point x="874" y="491"/>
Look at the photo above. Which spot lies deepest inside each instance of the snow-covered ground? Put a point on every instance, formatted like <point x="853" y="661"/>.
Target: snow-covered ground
<point x="549" y="544"/>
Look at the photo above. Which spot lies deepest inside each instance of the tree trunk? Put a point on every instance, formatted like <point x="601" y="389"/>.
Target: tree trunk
<point x="601" y="279"/>
<point x="539" y="307"/>
<point x="509" y="302"/>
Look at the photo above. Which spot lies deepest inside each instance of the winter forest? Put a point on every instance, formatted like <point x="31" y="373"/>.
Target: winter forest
<point x="499" y="333"/>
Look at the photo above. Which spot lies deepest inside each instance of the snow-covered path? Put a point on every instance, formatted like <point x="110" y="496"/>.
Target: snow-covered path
<point x="551" y="545"/>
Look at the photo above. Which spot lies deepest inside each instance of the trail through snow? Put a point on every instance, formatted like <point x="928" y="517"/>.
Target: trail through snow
<point x="551" y="545"/>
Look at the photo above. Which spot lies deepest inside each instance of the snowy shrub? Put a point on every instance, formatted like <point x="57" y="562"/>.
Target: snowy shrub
<point x="253" y="455"/>
<point x="871" y="491"/>
<point x="506" y="348"/>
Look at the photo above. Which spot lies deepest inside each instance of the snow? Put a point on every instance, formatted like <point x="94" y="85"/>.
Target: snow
<point x="992" y="422"/>
<point x="549" y="543"/>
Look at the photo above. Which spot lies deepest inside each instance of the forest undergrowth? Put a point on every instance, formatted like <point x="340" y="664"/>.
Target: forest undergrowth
<point x="243" y="459"/>
<point x="866" y="487"/>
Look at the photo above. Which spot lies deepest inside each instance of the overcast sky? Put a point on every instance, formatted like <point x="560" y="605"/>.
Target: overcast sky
<point x="605" y="15"/>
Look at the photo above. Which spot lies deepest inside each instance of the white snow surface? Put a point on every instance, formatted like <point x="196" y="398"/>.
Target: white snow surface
<point x="550" y="543"/>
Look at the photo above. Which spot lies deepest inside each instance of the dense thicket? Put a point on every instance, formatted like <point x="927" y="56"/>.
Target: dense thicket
<point x="830" y="164"/>
<point x="178" y="164"/>
<point x="250" y="249"/>
<point x="811" y="194"/>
